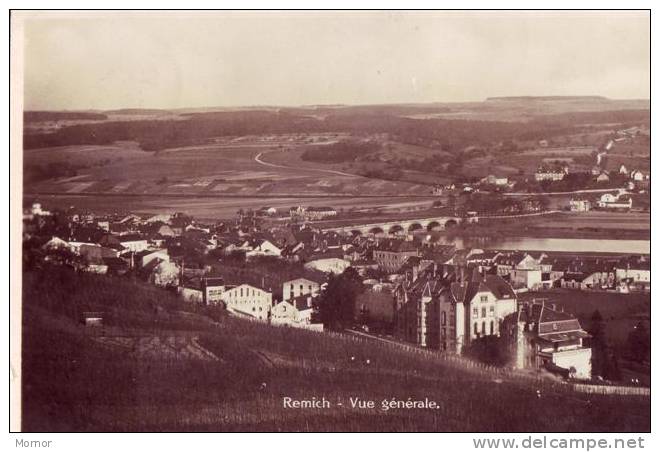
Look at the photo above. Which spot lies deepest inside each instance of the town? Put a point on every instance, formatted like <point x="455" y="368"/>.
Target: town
<point x="331" y="221"/>
<point x="514" y="308"/>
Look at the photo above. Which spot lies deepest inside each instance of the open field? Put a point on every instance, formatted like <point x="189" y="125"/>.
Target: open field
<point x="595" y="219"/>
<point x="72" y="382"/>
<point x="609" y="225"/>
<point x="232" y="169"/>
<point x="218" y="207"/>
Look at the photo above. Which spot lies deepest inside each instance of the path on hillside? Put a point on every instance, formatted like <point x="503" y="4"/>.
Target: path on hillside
<point x="257" y="158"/>
<point x="575" y="192"/>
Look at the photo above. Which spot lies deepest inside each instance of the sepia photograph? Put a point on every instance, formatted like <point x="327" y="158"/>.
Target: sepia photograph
<point x="331" y="221"/>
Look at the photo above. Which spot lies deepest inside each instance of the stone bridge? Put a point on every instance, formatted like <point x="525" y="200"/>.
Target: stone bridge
<point x="402" y="226"/>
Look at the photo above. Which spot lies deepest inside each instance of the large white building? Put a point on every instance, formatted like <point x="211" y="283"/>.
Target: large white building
<point x="299" y="287"/>
<point x="248" y="300"/>
<point x="473" y="309"/>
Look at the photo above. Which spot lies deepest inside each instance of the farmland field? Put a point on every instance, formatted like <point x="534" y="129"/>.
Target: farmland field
<point x="218" y="169"/>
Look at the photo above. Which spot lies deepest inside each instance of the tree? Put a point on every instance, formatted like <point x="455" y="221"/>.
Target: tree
<point x="638" y="345"/>
<point x="604" y="361"/>
<point x="336" y="304"/>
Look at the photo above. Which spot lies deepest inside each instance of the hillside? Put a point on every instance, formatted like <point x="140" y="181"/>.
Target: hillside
<point x="158" y="366"/>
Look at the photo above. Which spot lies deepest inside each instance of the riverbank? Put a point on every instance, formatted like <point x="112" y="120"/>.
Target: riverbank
<point x="574" y="225"/>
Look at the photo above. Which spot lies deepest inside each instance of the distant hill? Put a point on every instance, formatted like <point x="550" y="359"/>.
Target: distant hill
<point x="547" y="98"/>
<point x="41" y="116"/>
<point x="137" y="111"/>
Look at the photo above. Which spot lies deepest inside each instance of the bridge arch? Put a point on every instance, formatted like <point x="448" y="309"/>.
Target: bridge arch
<point x="451" y="223"/>
<point x="356" y="232"/>
<point x="415" y="227"/>
<point x="376" y="230"/>
<point x="433" y="226"/>
<point x="396" y="229"/>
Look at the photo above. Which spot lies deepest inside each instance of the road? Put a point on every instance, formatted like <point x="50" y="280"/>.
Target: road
<point x="576" y="192"/>
<point x="257" y="158"/>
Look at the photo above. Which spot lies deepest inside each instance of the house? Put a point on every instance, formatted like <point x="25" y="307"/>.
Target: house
<point x="95" y="253"/>
<point x="212" y="289"/>
<point x="579" y="205"/>
<point x="637" y="175"/>
<point x="541" y="337"/>
<point x="248" y="300"/>
<point x="493" y="180"/>
<point x="334" y="265"/>
<point x="623" y="170"/>
<point x="261" y="248"/>
<point x="506" y="262"/>
<point x="603" y="177"/>
<point x="416" y="310"/>
<point x="142" y="258"/>
<point x="473" y="309"/>
<point x="633" y="272"/>
<point x="35" y="211"/>
<point x="482" y="259"/>
<point x="160" y="218"/>
<point x="56" y="243"/>
<point x="390" y="255"/>
<point x="204" y="290"/>
<point x="299" y="287"/>
<point x="544" y="173"/>
<point x="612" y="201"/>
<point x="296" y="312"/>
<point x="528" y="278"/>
<point x="133" y="242"/>
<point x="312" y="213"/>
<point x="267" y="211"/>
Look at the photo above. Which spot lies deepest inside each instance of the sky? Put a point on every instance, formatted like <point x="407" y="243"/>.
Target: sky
<point x="179" y="60"/>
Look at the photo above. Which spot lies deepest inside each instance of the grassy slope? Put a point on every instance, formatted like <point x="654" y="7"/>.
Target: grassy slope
<point x="73" y="383"/>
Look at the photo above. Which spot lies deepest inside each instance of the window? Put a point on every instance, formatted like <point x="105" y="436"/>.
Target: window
<point x="492" y="311"/>
<point x="476" y="328"/>
<point x="475" y="312"/>
<point x="444" y="319"/>
<point x="483" y="312"/>
<point x="483" y="328"/>
<point x="484" y="298"/>
<point x="301" y="289"/>
<point x="492" y="327"/>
